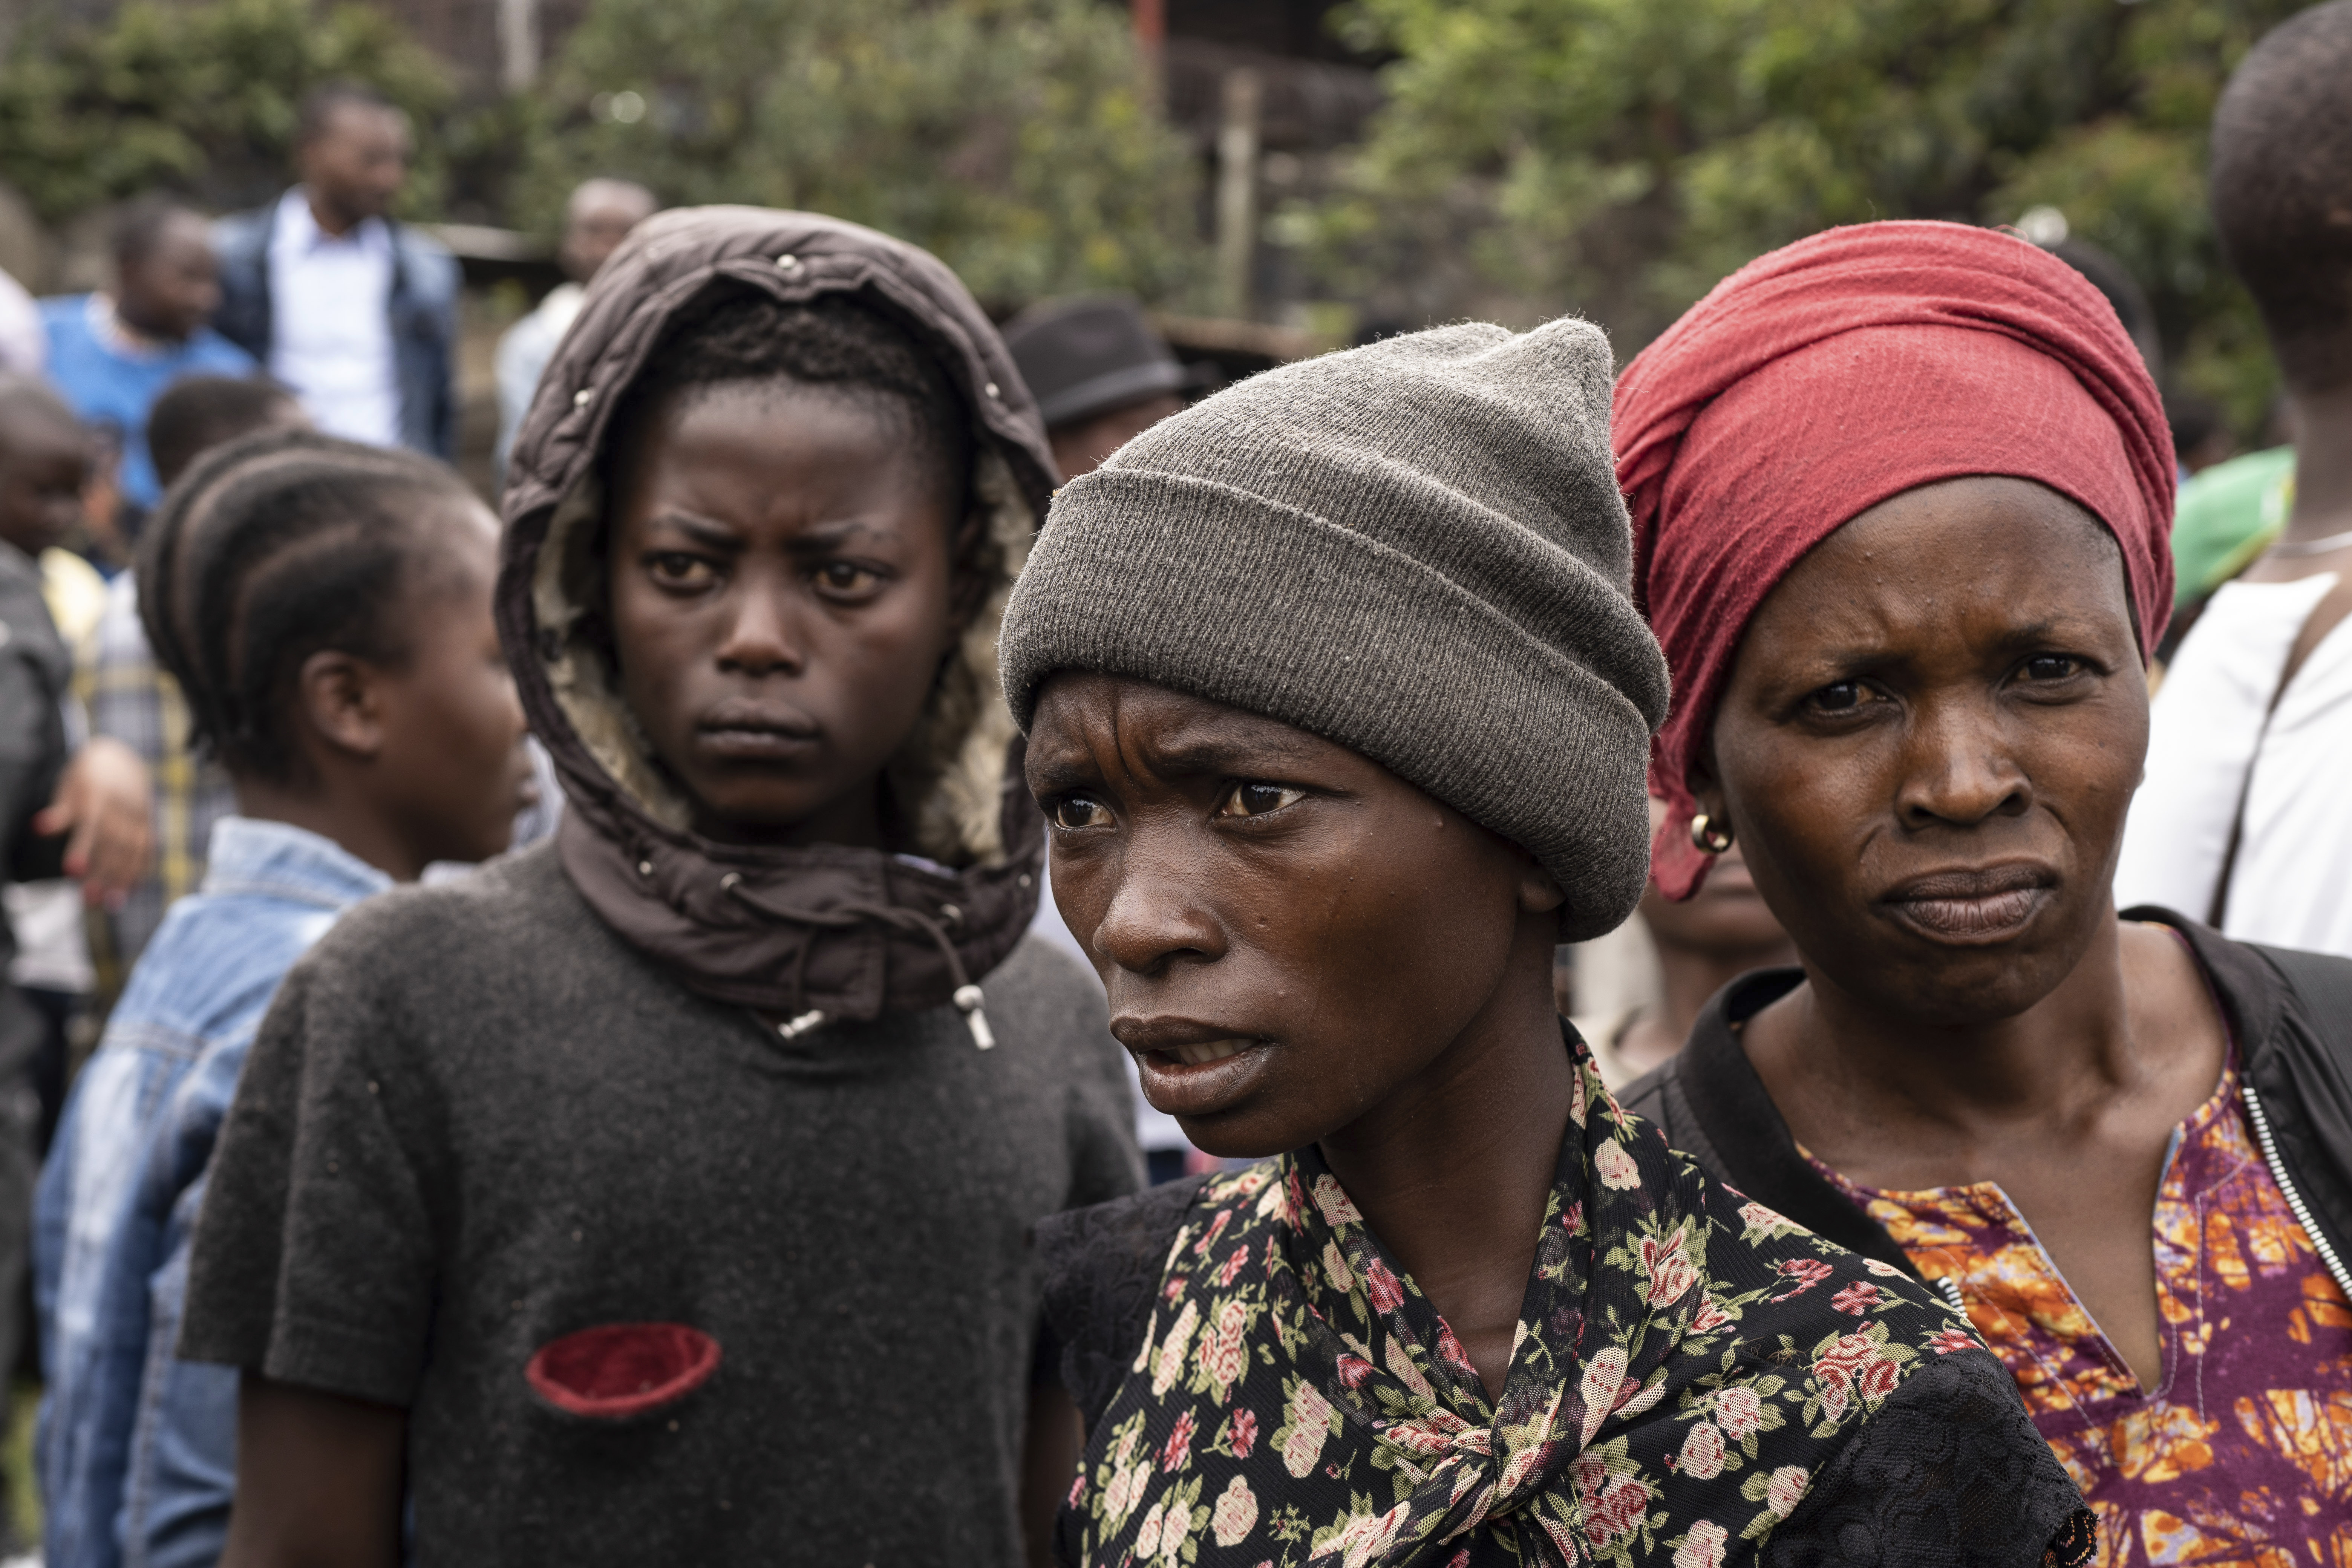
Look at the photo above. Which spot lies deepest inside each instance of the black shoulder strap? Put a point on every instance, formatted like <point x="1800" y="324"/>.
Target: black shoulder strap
<point x="2323" y="982"/>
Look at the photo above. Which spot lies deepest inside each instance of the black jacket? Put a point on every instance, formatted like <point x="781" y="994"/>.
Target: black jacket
<point x="2292" y="1012"/>
<point x="423" y="308"/>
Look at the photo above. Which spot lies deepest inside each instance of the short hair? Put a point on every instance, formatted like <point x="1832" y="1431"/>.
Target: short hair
<point x="2281" y="182"/>
<point x="611" y="186"/>
<point x="140" y="227"/>
<point x="319" y="106"/>
<point x="199" y="412"/>
<point x="272" y="548"/>
<point x="737" y="334"/>
<point x="22" y="395"/>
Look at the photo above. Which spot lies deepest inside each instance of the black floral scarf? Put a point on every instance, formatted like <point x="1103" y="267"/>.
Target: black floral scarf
<point x="1688" y="1366"/>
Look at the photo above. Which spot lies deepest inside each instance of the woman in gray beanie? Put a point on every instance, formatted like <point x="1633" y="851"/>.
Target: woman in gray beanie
<point x="1337" y="705"/>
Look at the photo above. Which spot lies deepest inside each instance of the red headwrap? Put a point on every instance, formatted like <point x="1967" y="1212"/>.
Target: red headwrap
<point x="1825" y="378"/>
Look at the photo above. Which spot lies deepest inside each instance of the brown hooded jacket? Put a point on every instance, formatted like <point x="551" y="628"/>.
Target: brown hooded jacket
<point x="824" y="931"/>
<point x="653" y="1279"/>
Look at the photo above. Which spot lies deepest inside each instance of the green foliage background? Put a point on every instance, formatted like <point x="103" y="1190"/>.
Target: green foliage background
<point x="199" y="99"/>
<point x="1018" y="139"/>
<point x="1617" y="157"/>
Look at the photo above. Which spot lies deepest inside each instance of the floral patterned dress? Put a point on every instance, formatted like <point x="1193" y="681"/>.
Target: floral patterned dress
<point x="1696" y="1380"/>
<point x="2244" y="1453"/>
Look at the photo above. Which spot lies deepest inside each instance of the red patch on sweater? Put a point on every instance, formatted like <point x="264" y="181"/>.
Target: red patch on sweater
<point x="618" y="1370"/>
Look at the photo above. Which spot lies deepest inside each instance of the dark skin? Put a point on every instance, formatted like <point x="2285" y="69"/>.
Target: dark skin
<point x="1704" y="943"/>
<point x="402" y="764"/>
<point x="1081" y="447"/>
<point x="783" y="588"/>
<point x="1931" y="734"/>
<point x="783" y="593"/>
<point x="599" y="217"/>
<point x="421" y="760"/>
<point x="1300" y="948"/>
<point x="355" y="165"/>
<point x="102" y="801"/>
<point x="2322" y="421"/>
<point x="172" y="287"/>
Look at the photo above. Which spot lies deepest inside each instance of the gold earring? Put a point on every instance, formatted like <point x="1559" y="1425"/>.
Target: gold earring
<point x="1709" y="836"/>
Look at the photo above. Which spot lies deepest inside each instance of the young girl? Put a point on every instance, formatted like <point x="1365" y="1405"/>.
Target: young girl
<point x="663" y="1194"/>
<point x="1915" y="691"/>
<point x="1337" y="704"/>
<point x="326" y="608"/>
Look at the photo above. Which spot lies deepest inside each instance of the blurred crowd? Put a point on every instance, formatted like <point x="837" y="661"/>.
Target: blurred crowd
<point x="788" y="1114"/>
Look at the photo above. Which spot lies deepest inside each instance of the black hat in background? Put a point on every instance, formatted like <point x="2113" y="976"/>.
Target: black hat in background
<point x="1087" y="356"/>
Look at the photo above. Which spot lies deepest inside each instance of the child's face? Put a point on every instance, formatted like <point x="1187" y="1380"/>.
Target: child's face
<point x="44" y="468"/>
<point x="452" y="768"/>
<point x="1291" y="934"/>
<point x="782" y="585"/>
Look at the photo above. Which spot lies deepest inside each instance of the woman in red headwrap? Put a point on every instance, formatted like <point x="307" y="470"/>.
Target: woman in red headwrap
<point x="1900" y="498"/>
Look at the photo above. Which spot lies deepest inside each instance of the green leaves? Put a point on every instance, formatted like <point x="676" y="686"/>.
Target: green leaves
<point x="1617" y="157"/>
<point x="1020" y="140"/>
<point x="1017" y="139"/>
<point x="201" y="98"/>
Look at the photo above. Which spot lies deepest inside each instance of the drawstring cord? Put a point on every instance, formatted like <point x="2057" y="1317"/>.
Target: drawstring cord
<point x="967" y="998"/>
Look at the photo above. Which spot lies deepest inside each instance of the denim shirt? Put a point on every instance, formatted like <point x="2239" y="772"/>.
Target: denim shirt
<point x="137" y="1450"/>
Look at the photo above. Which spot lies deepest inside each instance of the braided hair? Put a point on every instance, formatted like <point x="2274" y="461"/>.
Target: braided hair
<point x="270" y="549"/>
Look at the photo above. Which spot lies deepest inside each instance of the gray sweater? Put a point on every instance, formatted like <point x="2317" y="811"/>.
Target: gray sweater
<point x="477" y="1121"/>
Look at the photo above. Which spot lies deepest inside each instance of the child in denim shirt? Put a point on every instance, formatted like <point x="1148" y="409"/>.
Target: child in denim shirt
<point x="326" y="608"/>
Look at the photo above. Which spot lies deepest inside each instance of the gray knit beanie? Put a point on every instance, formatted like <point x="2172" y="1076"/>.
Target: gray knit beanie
<point x="1416" y="550"/>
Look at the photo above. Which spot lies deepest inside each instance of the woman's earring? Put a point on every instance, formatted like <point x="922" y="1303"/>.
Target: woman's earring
<point x="1709" y="835"/>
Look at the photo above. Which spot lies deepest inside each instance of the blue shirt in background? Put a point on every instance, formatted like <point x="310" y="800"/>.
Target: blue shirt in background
<point x="136" y="1450"/>
<point x="112" y="381"/>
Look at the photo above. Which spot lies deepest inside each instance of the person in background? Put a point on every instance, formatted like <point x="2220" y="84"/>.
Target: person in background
<point x="2252" y="732"/>
<point x="53" y="969"/>
<point x="24" y="344"/>
<point x="599" y="215"/>
<point x="130" y="698"/>
<point x="754" y="617"/>
<point x="93" y="808"/>
<point x="353" y="311"/>
<point x="2201" y="436"/>
<point x="1636" y="992"/>
<point x="370" y="727"/>
<point x="113" y="354"/>
<point x="1100" y="374"/>
<point x="1914" y="691"/>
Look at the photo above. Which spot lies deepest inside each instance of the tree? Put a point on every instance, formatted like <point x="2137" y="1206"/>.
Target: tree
<point x="1620" y="156"/>
<point x="1018" y="139"/>
<point x="199" y="99"/>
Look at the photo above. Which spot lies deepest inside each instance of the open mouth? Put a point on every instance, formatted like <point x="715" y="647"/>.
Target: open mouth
<point x="1203" y="1053"/>
<point x="1190" y="1068"/>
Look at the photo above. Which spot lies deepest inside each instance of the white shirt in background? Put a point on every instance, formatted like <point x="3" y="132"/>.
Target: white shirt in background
<point x="24" y="341"/>
<point x="331" y="323"/>
<point x="2215" y="740"/>
<point x="523" y="356"/>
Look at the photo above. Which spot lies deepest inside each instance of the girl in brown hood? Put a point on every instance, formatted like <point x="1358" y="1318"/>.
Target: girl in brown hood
<point x="663" y="1194"/>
